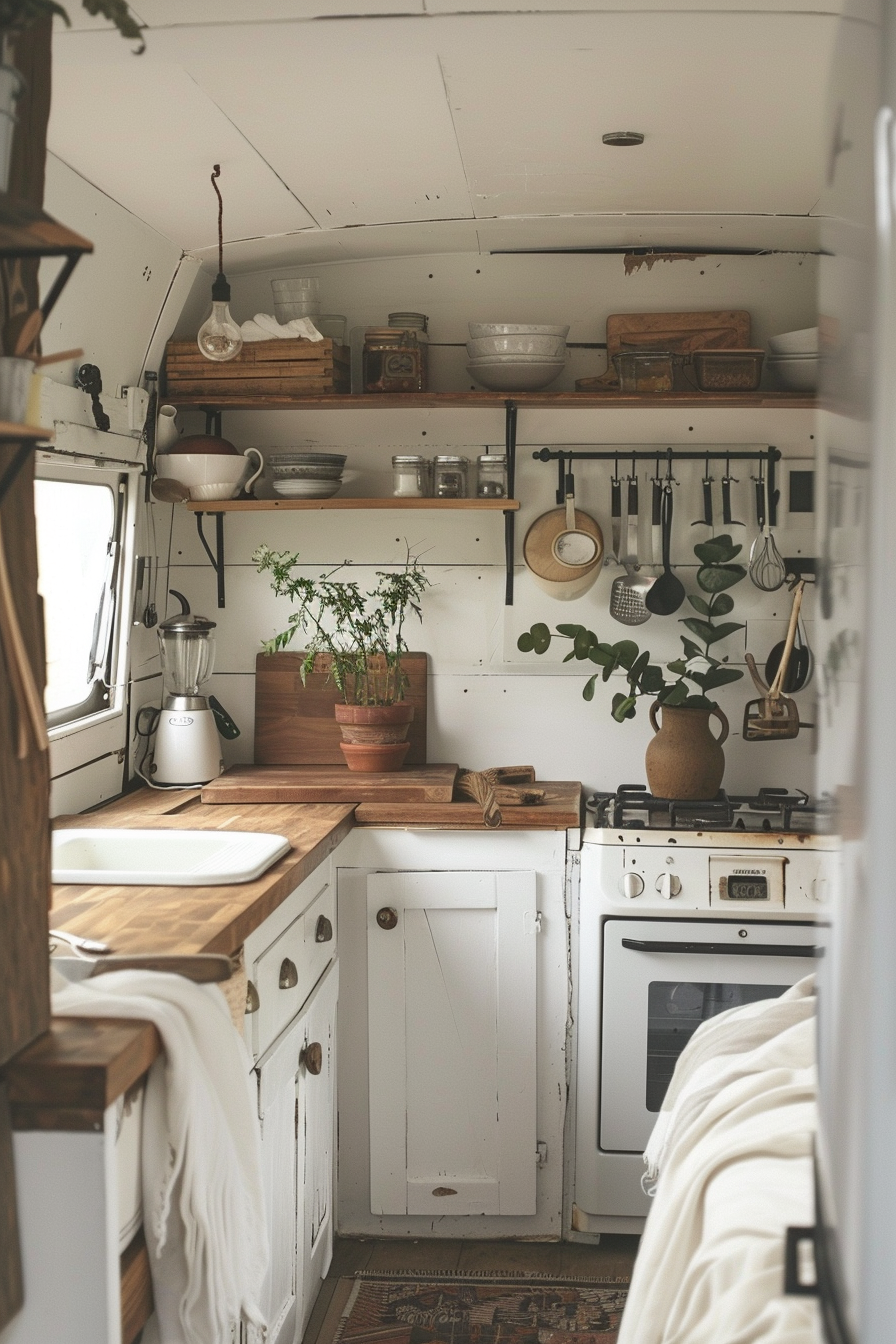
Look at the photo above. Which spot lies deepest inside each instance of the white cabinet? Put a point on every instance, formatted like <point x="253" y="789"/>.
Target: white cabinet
<point x="451" y="961"/>
<point x="317" y="1141"/>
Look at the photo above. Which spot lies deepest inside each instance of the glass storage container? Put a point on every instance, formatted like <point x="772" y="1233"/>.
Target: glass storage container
<point x="491" y="476"/>
<point x="645" y="371"/>
<point x="409" y="476"/>
<point x="396" y="359"/>
<point x="450" y="477"/>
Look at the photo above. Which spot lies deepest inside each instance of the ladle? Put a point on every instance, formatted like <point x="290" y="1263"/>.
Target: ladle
<point x="667" y="594"/>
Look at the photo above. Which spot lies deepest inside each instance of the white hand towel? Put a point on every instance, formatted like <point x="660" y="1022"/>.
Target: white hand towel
<point x="262" y="327"/>
<point x="202" y="1193"/>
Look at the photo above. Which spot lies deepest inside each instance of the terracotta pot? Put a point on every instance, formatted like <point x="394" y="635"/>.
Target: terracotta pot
<point x="374" y="736"/>
<point x="684" y="760"/>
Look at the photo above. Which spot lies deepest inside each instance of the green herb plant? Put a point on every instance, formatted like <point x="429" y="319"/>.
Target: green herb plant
<point x="693" y="675"/>
<point x="360" y="634"/>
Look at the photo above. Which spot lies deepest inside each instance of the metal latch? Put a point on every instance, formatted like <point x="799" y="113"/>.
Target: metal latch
<point x="541" y="1153"/>
<point x="800" y="1270"/>
<point x="538" y="921"/>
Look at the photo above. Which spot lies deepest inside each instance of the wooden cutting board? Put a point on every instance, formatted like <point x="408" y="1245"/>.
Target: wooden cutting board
<point x="679" y="332"/>
<point x="331" y="784"/>
<point x="294" y="724"/>
<point x="561" y="809"/>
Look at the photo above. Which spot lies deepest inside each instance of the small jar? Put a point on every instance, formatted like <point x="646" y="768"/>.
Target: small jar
<point x="450" y="477"/>
<point x="409" y="476"/>
<point x="491" y="477"/>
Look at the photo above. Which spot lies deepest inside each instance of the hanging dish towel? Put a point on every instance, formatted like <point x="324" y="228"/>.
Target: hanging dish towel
<point x="262" y="327"/>
<point x="202" y="1193"/>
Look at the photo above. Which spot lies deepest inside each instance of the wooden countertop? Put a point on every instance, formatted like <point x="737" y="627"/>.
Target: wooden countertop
<point x="185" y="920"/>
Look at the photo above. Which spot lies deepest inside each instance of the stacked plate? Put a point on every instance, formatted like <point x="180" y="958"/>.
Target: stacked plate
<point x="301" y="475"/>
<point x="794" y="359"/>
<point x="515" y="357"/>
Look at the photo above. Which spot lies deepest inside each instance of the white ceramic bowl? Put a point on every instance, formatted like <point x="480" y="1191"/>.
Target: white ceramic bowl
<point x="804" y="342"/>
<point x="518" y="359"/>
<point x="510" y="375"/>
<point x="549" y="347"/>
<point x="480" y="329"/>
<point x="317" y="471"/>
<point x="210" y="475"/>
<point x="303" y="488"/>
<point x="795" y="373"/>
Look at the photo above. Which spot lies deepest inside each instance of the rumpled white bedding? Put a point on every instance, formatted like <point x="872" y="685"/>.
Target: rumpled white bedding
<point x="731" y="1157"/>
<point x="202" y="1194"/>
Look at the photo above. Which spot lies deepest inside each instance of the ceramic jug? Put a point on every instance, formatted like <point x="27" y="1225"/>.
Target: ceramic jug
<point x="684" y="760"/>
<point x="167" y="432"/>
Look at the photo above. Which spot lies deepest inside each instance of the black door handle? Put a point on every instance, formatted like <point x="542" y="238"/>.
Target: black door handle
<point x="725" y="949"/>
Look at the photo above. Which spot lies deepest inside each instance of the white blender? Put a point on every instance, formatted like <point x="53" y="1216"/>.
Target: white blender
<point x="187" y="746"/>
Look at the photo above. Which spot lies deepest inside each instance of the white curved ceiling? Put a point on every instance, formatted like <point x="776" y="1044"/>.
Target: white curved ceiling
<point x="344" y="130"/>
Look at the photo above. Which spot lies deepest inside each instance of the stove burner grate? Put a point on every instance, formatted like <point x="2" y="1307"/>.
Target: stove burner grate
<point x="631" y="807"/>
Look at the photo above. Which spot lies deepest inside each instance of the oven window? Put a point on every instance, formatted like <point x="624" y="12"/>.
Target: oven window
<point x="675" y="1009"/>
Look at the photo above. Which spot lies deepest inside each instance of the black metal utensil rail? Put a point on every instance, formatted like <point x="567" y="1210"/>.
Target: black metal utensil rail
<point x="723" y="949"/>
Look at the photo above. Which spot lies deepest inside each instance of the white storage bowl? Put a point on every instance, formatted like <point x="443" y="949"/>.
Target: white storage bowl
<point x="302" y="457"/>
<point x="511" y="375"/>
<point x="292" y="312"/>
<point x="206" y="475"/>
<point x="303" y="487"/>
<point x="517" y="359"/>
<point x="804" y="342"/>
<point x="480" y="329"/>
<point x="548" y="347"/>
<point x="795" y="373"/>
<point x="317" y="471"/>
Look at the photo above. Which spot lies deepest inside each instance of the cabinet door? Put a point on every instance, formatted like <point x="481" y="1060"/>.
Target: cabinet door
<point x="317" y="1138"/>
<point x="452" y="1026"/>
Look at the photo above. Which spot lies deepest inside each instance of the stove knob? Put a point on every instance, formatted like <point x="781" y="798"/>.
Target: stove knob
<point x="632" y="885"/>
<point x="668" y="885"/>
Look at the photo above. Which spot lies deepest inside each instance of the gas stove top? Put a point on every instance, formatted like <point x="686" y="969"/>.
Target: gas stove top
<point x="770" y="811"/>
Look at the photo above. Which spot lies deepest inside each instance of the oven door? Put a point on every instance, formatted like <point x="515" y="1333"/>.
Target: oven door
<point x="661" y="979"/>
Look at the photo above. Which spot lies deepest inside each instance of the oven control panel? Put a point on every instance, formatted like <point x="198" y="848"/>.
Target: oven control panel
<point x="750" y="881"/>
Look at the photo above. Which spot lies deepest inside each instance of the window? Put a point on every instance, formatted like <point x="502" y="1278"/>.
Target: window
<point x="78" y="526"/>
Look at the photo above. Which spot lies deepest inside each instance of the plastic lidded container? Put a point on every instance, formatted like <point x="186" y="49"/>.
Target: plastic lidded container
<point x="491" y="476"/>
<point x="450" y="476"/>
<point x="409" y="476"/>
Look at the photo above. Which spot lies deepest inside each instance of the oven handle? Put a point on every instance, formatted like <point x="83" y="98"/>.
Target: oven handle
<point x="724" y="949"/>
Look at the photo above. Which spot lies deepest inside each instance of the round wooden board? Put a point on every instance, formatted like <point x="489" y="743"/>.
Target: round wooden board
<point x="540" y="538"/>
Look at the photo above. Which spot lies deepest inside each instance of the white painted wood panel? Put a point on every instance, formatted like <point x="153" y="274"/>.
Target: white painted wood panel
<point x="278" y="1111"/>
<point x="317" y="1121"/>
<point x="452" y="1043"/>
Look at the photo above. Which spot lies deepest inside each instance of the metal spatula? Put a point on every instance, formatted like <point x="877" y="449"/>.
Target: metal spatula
<point x="627" y="593"/>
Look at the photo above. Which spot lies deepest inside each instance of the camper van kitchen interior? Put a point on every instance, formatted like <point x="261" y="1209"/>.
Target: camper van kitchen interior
<point x="446" y="745"/>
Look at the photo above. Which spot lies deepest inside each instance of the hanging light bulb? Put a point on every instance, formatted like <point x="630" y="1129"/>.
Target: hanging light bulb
<point x="219" y="336"/>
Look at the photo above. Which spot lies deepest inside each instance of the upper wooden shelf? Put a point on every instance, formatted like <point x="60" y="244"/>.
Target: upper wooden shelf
<point x="258" y="505"/>
<point x="498" y="400"/>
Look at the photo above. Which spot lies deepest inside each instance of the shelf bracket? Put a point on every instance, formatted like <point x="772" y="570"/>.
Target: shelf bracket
<point x="216" y="557"/>
<point x="509" y="515"/>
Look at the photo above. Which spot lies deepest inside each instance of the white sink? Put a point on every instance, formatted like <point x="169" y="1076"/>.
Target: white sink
<point x="163" y="858"/>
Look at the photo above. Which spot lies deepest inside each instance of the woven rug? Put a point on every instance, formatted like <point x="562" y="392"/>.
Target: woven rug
<point x="480" y="1309"/>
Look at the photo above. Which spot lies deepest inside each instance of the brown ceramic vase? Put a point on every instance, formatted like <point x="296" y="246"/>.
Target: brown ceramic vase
<point x="374" y="736"/>
<point x="684" y="760"/>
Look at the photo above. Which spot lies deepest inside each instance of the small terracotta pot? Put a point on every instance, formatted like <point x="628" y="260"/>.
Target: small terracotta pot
<point x="374" y="736"/>
<point x="684" y="760"/>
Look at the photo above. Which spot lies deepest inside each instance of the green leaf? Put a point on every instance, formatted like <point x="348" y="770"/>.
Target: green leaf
<point x="721" y="604"/>
<point x="702" y="629"/>
<point x="541" y="637"/>
<point x="608" y="670"/>
<point x="678" y="666"/>
<point x="676" y="694"/>
<point x="602" y="654"/>
<point x="700" y="604"/>
<point x="639" y="665"/>
<point x="569" y="657"/>
<point x="588" y="688"/>
<point x="582" y="643"/>
<point x="525" y="643"/>
<point x="696" y="702"/>
<point x="691" y="650"/>
<point x="570" y="631"/>
<point x="711" y="553"/>
<point x="713" y="579"/>
<point x="699" y="678"/>
<point x="652" y="680"/>
<point x="626" y="652"/>
<point x="724" y="630"/>
<point x="721" y="676"/>
<point x="623" y="707"/>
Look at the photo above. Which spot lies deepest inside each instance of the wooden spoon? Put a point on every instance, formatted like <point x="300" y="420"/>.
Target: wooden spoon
<point x="169" y="491"/>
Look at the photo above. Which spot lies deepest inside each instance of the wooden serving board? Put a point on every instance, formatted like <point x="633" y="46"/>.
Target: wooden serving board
<point x="561" y="809"/>
<point x="679" y="332"/>
<point x="331" y="784"/>
<point x="294" y="723"/>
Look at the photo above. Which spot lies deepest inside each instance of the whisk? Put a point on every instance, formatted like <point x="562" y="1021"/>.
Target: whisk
<point x="766" y="568"/>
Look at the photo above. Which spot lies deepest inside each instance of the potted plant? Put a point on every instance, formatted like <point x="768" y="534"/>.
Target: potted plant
<point x="684" y="759"/>
<point x="360" y="638"/>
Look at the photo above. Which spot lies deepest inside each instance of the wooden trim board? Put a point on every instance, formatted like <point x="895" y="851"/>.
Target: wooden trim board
<point x="426" y="784"/>
<point x="561" y="810"/>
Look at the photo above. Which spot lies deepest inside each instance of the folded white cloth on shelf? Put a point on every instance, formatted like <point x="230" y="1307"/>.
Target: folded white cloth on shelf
<point x="733" y="1155"/>
<point x="262" y="327"/>
<point x="202" y="1194"/>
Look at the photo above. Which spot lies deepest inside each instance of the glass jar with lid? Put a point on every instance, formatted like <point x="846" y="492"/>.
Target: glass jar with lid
<point x="491" y="476"/>
<point x="409" y="476"/>
<point x="396" y="358"/>
<point x="450" y="476"/>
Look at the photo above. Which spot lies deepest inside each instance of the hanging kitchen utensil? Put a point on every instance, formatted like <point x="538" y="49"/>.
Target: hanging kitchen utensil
<point x="573" y="547"/>
<point x="727" y="481"/>
<point x="656" y="518"/>
<point x="799" y="673"/>
<point x="616" y="515"/>
<point x="627" y="592"/>
<point x="707" y="482"/>
<point x="169" y="491"/>
<point x="552" y="572"/>
<point x="766" y="569"/>
<point x="667" y="593"/>
<point x="774" y="715"/>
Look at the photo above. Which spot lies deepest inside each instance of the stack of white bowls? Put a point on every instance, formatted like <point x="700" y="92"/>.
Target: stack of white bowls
<point x="515" y="357"/>
<point x="302" y="475"/>
<point x="794" y="359"/>
<point x="296" y="298"/>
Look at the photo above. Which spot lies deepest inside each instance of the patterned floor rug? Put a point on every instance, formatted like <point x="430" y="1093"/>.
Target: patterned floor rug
<point x="480" y="1309"/>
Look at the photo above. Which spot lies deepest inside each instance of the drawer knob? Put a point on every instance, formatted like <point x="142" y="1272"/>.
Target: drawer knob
<point x="312" y="1057"/>
<point x="387" y="918"/>
<point x="324" y="930"/>
<point x="253" y="1003"/>
<point x="289" y="976"/>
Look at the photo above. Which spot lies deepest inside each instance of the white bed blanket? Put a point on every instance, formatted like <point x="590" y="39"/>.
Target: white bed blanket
<point x="733" y="1156"/>
<point x="202" y="1193"/>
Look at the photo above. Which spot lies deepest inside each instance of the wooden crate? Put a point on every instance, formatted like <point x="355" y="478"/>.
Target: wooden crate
<point x="292" y="368"/>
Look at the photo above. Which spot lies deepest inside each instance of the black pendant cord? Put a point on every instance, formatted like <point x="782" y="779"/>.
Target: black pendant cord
<point x="216" y="173"/>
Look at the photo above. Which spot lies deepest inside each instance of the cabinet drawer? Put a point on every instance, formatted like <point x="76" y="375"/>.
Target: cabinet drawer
<point x="285" y="974"/>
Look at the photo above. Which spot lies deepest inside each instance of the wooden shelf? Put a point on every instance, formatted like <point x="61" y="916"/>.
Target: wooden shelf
<point x="498" y="401"/>
<point x="266" y="505"/>
<point x="24" y="433"/>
